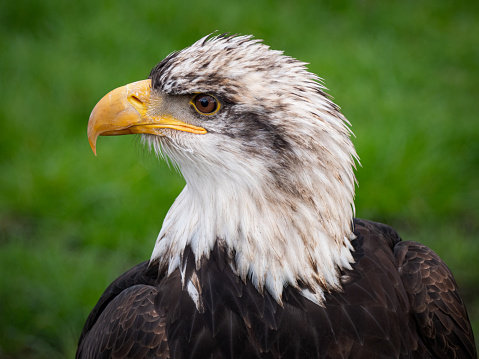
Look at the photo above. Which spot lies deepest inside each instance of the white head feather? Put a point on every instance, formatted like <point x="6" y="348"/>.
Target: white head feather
<point x="272" y="181"/>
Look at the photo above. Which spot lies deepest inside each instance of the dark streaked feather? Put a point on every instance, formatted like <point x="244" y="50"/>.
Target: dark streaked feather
<point x="377" y="315"/>
<point x="437" y="307"/>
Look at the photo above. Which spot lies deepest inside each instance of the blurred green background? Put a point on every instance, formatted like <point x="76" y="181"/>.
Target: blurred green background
<point x="405" y="73"/>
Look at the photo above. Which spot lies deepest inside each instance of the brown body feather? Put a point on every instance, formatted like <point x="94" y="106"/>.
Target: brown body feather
<point x="399" y="301"/>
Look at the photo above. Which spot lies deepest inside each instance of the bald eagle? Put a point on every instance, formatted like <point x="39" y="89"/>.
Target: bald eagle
<point x="260" y="256"/>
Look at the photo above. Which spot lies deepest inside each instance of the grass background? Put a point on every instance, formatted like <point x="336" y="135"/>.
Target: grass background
<point x="405" y="73"/>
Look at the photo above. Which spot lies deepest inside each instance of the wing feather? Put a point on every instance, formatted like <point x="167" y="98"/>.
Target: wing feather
<point x="437" y="307"/>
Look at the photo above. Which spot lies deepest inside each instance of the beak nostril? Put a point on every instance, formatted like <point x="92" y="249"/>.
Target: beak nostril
<point x="139" y="102"/>
<point x="135" y="101"/>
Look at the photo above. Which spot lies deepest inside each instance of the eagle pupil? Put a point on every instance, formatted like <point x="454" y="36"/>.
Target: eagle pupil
<point x="206" y="104"/>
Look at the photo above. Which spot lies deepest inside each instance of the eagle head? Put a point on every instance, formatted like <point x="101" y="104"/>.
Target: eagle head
<point x="266" y="155"/>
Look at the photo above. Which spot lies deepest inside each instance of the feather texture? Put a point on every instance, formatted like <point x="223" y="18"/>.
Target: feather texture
<point x="375" y="315"/>
<point x="278" y="150"/>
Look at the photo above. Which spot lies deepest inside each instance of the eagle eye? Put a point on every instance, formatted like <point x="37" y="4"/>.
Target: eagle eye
<point x="205" y="104"/>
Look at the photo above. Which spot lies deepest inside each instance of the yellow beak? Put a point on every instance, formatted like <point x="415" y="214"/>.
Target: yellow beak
<point x="124" y="111"/>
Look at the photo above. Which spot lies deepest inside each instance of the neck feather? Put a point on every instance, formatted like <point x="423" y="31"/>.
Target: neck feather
<point x="274" y="188"/>
<point x="275" y="237"/>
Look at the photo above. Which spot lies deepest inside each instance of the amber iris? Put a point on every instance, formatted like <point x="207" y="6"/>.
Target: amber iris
<point x="205" y="104"/>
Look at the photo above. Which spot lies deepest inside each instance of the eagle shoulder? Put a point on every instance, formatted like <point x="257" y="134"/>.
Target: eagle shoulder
<point x="126" y="322"/>
<point x="436" y="305"/>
